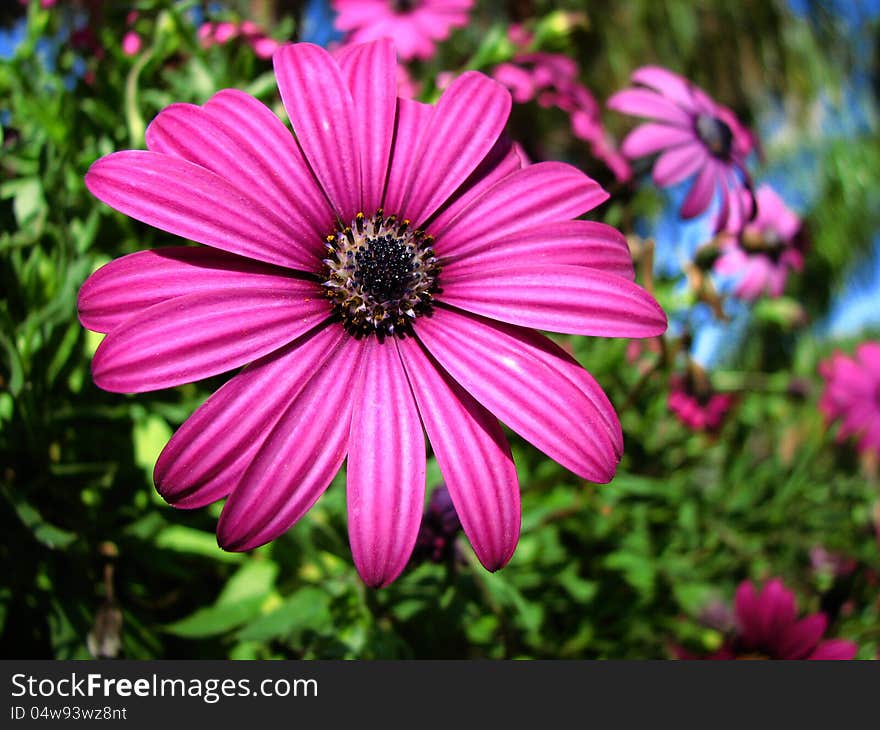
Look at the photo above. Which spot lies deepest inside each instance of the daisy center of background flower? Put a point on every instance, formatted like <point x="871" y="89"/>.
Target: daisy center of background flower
<point x="403" y="6"/>
<point x="381" y="274"/>
<point x="715" y="134"/>
<point x="766" y="241"/>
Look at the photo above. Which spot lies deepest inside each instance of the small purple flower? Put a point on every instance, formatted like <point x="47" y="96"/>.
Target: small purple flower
<point x="695" y="136"/>
<point x="378" y="272"/>
<point x="440" y="525"/>
<point x="767" y="627"/>
<point x="852" y="395"/>
<point x="415" y="26"/>
<point x="760" y="256"/>
<point x="695" y="404"/>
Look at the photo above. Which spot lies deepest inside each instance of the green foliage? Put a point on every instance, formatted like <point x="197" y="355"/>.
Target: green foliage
<point x="620" y="570"/>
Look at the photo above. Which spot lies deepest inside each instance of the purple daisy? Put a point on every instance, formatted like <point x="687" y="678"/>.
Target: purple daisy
<point x="852" y="395"/>
<point x="767" y="627"/>
<point x="695" y="137"/>
<point x="762" y="254"/>
<point x="696" y="404"/>
<point x="377" y="272"/>
<point x="415" y="26"/>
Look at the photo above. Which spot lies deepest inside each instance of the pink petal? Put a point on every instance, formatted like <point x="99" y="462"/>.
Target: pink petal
<point x="298" y="458"/>
<point x="532" y="386"/>
<point x="542" y="193"/>
<point x="644" y="103"/>
<point x="835" y="649"/>
<point x="194" y="134"/>
<point x="700" y="195"/>
<point x="649" y="138"/>
<point x="386" y="467"/>
<point x="569" y="299"/>
<point x="188" y="200"/>
<point x="130" y="284"/>
<point x="746" y="608"/>
<point x="322" y="113"/>
<point x="473" y="455"/>
<point x="776" y="610"/>
<point x="371" y="73"/>
<point x="670" y="84"/>
<point x="800" y="638"/>
<point x="501" y="161"/>
<point x="411" y="121"/>
<point x="577" y="243"/>
<point x="207" y="456"/>
<point x="678" y="164"/>
<point x="199" y="335"/>
<point x="273" y="140"/>
<point x="465" y="125"/>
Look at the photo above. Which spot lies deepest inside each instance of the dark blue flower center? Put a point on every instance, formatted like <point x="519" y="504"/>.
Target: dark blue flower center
<point x="715" y="134"/>
<point x="384" y="267"/>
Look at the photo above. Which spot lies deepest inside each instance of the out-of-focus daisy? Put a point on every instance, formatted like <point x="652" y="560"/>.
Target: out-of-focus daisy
<point x="761" y="256"/>
<point x="852" y="395"/>
<point x="415" y="26"/>
<point x="695" y="137"/>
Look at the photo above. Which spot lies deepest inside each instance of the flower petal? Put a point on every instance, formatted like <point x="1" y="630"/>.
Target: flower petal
<point x="700" y="195"/>
<point x="273" y="141"/>
<point x="797" y="640"/>
<point x="386" y="468"/>
<point x="541" y="193"/>
<point x="532" y="386"/>
<point x="570" y="299"/>
<point x="195" y="336"/>
<point x="473" y="455"/>
<point x="132" y="283"/>
<point x="835" y="649"/>
<point x="188" y="200"/>
<point x="466" y="123"/>
<point x="371" y="72"/>
<point x="670" y="84"/>
<point x="298" y="458"/>
<point x="576" y="243"/>
<point x="647" y="139"/>
<point x="409" y="125"/>
<point x="321" y="111"/>
<point x="501" y="161"/>
<point x="679" y="163"/>
<point x="194" y="134"/>
<point x="648" y="104"/>
<point x="207" y="456"/>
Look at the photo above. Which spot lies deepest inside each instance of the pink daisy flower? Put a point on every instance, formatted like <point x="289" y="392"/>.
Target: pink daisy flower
<point x="767" y="627"/>
<point x="415" y="26"/>
<point x="852" y="395"/>
<point x="695" y="137"/>
<point x="378" y="272"/>
<point x="697" y="406"/>
<point x="766" y="249"/>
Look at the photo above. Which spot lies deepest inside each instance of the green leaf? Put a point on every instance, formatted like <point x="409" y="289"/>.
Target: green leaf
<point x="189" y="540"/>
<point x="254" y="579"/>
<point x="307" y="609"/>
<point x="216" y="620"/>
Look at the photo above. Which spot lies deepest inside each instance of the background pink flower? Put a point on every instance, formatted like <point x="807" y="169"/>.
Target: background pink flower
<point x="697" y="406"/>
<point x="694" y="136"/>
<point x="767" y="627"/>
<point x="852" y="395"/>
<point x="416" y="310"/>
<point x="767" y="248"/>
<point x="415" y="26"/>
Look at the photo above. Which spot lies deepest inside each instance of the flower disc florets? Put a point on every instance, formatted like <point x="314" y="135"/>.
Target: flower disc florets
<point x="716" y="135"/>
<point x="381" y="275"/>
